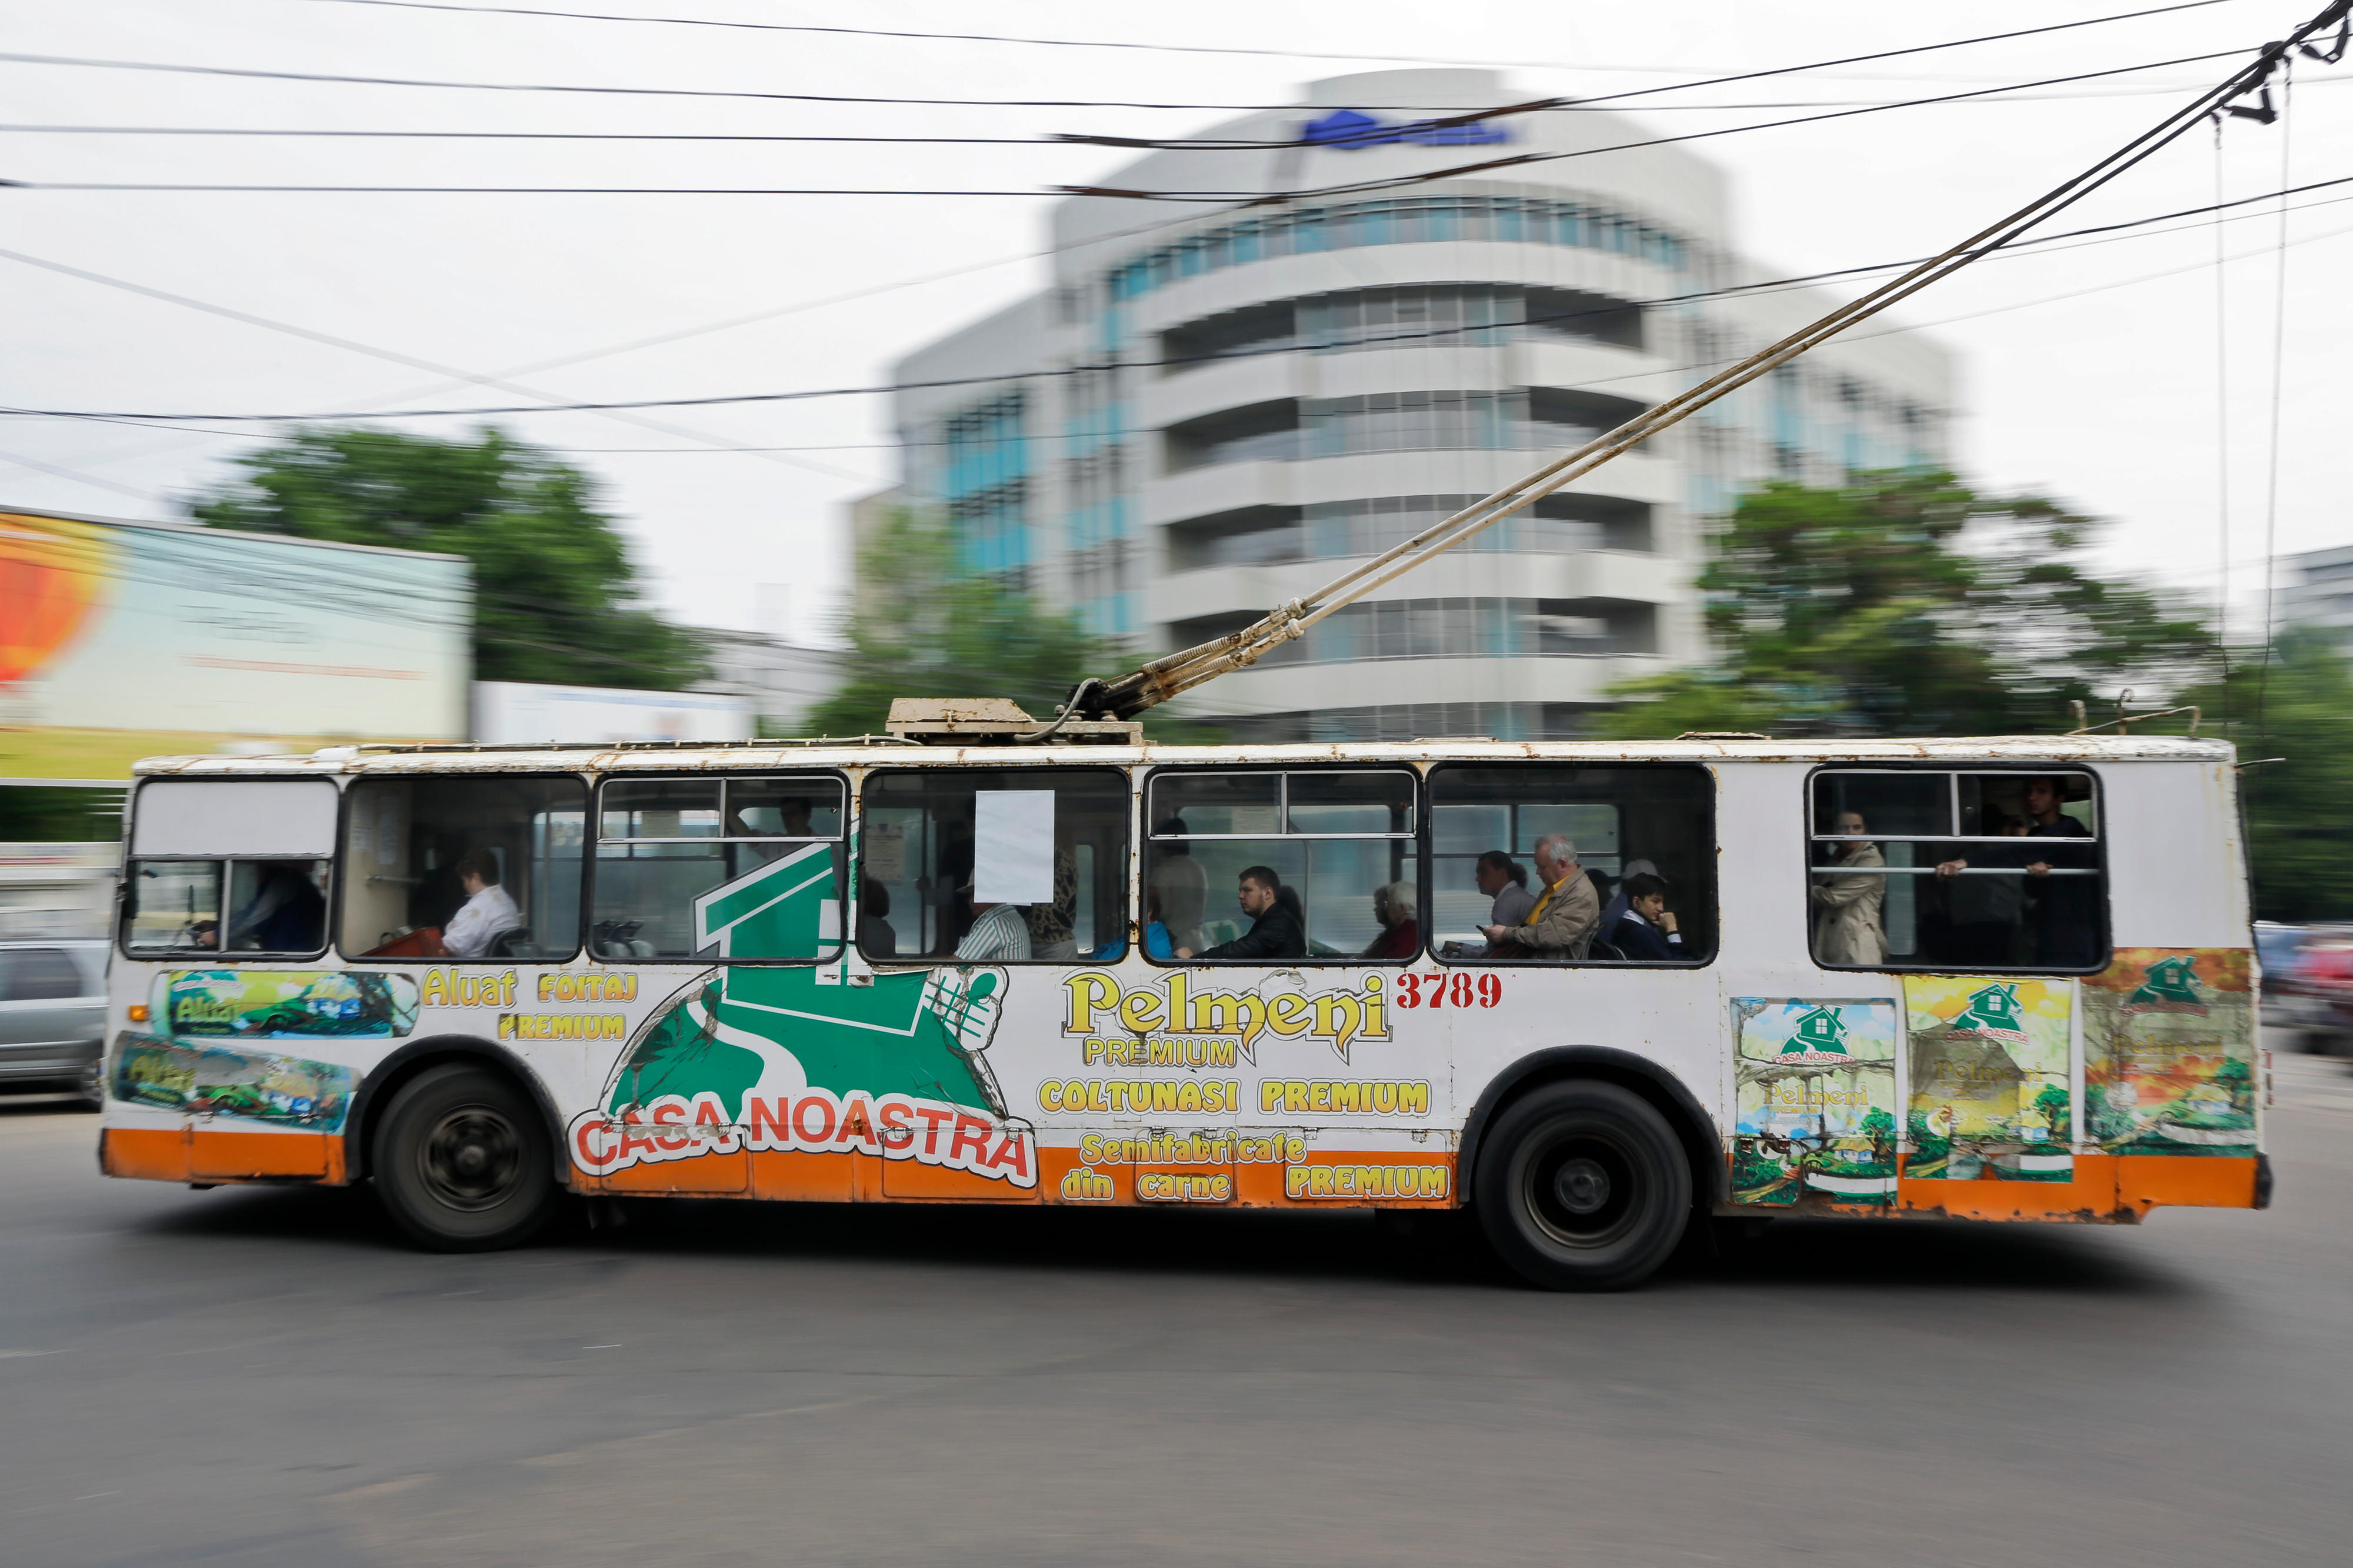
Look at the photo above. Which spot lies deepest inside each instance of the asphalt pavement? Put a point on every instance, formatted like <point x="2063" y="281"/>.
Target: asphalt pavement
<point x="259" y="1378"/>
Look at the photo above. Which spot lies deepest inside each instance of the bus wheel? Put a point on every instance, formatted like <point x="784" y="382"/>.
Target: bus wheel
<point x="1582" y="1185"/>
<point x="462" y="1160"/>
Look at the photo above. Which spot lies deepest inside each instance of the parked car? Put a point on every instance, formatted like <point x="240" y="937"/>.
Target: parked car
<point x="2277" y="947"/>
<point x="2316" y="992"/>
<point x="53" y="1016"/>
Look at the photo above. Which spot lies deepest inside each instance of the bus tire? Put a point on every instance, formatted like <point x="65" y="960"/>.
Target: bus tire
<point x="463" y="1161"/>
<point x="1582" y="1185"/>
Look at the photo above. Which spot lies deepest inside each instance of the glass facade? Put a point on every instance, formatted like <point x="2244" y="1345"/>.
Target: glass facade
<point x="1378" y="629"/>
<point x="1095" y="519"/>
<point x="985" y="486"/>
<point x="1411" y="220"/>
<point x="1333" y="531"/>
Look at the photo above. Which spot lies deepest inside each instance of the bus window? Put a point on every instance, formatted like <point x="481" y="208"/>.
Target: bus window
<point x="994" y="866"/>
<point x="463" y="866"/>
<point x="718" y="869"/>
<point x="1644" y="838"/>
<point x="1915" y="869"/>
<point x="230" y="867"/>
<point x="1340" y="843"/>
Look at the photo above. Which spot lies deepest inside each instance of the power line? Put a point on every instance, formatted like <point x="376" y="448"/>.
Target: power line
<point x="255" y="74"/>
<point x="1177" y="48"/>
<point x="1384" y="341"/>
<point x="1994" y="95"/>
<point x="1732" y="292"/>
<point x="1520" y="160"/>
<point x="1230" y="197"/>
<point x="329" y="132"/>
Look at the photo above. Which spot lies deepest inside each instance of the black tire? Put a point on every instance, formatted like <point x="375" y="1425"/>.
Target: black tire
<point x="1582" y="1185"/>
<point x="462" y="1160"/>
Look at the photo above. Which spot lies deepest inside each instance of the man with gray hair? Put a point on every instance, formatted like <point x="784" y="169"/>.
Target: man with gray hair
<point x="1563" y="921"/>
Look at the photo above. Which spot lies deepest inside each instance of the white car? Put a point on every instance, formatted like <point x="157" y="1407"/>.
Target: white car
<point x="53" y="1016"/>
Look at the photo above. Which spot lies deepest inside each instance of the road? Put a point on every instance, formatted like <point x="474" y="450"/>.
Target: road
<point x="267" y="1377"/>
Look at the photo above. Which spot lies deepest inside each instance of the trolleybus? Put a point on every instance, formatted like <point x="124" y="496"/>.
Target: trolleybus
<point x="2004" y="979"/>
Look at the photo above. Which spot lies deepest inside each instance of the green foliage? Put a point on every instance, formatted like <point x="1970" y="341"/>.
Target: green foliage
<point x="1905" y="604"/>
<point x="38" y="814"/>
<point x="1879" y="1126"/>
<point x="2052" y="1103"/>
<point x="555" y="597"/>
<point x="2299" y="811"/>
<point x="1927" y="1144"/>
<point x="922" y="628"/>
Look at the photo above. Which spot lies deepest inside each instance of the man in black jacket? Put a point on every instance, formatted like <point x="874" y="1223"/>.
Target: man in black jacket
<point x="1275" y="930"/>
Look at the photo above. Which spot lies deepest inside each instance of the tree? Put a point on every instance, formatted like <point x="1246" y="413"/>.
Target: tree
<point x="1905" y="604"/>
<point x="2297" y="706"/>
<point x="2052" y="1103"/>
<point x="922" y="628"/>
<point x="555" y="595"/>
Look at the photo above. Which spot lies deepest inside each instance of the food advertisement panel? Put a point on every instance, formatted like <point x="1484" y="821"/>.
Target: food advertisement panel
<point x="1816" y="1086"/>
<point x="1988" y="1079"/>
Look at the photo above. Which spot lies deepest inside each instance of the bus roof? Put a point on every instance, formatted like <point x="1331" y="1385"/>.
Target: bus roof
<point x="770" y="755"/>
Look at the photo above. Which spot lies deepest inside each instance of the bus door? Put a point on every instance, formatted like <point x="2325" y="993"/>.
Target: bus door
<point x="721" y="897"/>
<point x="1290" y="908"/>
<point x="985" y="894"/>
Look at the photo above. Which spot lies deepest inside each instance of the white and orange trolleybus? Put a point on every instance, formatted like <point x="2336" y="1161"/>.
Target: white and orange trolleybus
<point x="1595" y="992"/>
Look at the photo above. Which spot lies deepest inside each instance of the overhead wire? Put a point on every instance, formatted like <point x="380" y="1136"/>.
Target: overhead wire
<point x="1995" y="96"/>
<point x="1727" y="291"/>
<point x="259" y="74"/>
<point x="1259" y="52"/>
<point x="1234" y="197"/>
<point x="1519" y="160"/>
<point x="2279" y="362"/>
<point x="2221" y="434"/>
<point x="1384" y="341"/>
<point x="1237" y="199"/>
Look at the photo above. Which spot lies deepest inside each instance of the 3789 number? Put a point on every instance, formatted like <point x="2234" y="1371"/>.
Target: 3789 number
<point x="1457" y="990"/>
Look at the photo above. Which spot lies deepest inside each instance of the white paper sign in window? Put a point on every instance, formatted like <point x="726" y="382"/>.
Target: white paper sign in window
<point x="1013" y="847"/>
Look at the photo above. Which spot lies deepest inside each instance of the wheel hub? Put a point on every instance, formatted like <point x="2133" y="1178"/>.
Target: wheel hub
<point x="472" y="1159"/>
<point x="1582" y="1187"/>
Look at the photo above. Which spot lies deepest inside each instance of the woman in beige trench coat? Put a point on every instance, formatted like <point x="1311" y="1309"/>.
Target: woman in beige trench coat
<point x="1847" y="927"/>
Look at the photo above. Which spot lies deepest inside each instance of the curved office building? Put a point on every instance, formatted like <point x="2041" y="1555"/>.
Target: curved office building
<point x="1216" y="406"/>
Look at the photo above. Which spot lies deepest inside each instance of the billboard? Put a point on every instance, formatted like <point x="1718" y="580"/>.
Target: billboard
<point x="121" y="640"/>
<point x="515" y="712"/>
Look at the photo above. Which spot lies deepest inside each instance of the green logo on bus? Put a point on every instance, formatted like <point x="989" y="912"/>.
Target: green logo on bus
<point x="795" y="1058"/>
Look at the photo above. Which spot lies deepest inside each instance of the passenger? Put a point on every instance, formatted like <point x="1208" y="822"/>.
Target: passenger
<point x="1847" y="927"/>
<point x="1646" y="930"/>
<point x="1505" y="881"/>
<point x="1276" y="930"/>
<point x="876" y="936"/>
<point x="1053" y="934"/>
<point x="1617" y="905"/>
<point x="486" y="913"/>
<point x="998" y="933"/>
<point x="1561" y="924"/>
<point x="1184" y="887"/>
<point x="1396" y="906"/>
<point x="1986" y="915"/>
<point x="1157" y="942"/>
<point x="2067" y="931"/>
<point x="286" y="914"/>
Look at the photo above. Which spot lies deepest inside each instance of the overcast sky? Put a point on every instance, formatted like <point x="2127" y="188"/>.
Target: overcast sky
<point x="2089" y="372"/>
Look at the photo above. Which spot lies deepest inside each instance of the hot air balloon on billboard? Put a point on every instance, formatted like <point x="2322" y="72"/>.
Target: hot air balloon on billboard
<point x="53" y="575"/>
